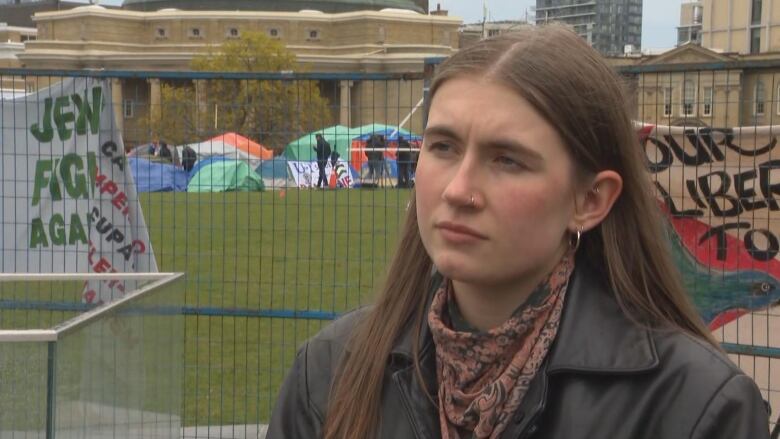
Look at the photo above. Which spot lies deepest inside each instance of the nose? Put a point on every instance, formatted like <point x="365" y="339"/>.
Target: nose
<point x="462" y="189"/>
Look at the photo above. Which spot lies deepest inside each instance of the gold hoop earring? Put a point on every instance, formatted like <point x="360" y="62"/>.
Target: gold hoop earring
<point x="574" y="240"/>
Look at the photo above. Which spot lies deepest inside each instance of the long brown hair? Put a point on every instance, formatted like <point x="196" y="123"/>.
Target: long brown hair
<point x="574" y="89"/>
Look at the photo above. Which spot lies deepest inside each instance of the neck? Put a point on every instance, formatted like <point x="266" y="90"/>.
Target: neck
<point x="486" y="306"/>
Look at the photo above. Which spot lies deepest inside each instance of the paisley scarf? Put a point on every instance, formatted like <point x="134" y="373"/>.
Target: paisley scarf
<point x="483" y="376"/>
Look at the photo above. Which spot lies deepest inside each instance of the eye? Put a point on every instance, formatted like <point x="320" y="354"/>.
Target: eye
<point x="440" y="147"/>
<point x="765" y="287"/>
<point x="508" y="163"/>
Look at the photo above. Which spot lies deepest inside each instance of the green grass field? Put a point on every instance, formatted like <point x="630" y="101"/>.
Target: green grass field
<point x="295" y="250"/>
<point x="299" y="250"/>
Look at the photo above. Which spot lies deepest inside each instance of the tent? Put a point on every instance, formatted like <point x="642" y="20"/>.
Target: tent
<point x="378" y="128"/>
<point x="205" y="162"/>
<point x="225" y="176"/>
<point x="144" y="151"/>
<point x="339" y="137"/>
<point x="157" y="177"/>
<point x="275" y="173"/>
<point x="147" y="151"/>
<point x="357" y="152"/>
<point x="253" y="149"/>
<point x="221" y="148"/>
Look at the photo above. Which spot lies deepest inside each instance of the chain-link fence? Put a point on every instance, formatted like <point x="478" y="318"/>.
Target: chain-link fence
<point x="216" y="175"/>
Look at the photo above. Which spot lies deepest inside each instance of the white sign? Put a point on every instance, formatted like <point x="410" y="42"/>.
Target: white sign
<point x="307" y="173"/>
<point x="68" y="200"/>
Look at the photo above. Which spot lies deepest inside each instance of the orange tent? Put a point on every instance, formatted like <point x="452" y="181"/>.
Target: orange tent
<point x="246" y="144"/>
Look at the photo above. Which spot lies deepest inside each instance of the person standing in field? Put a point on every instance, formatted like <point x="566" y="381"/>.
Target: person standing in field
<point x="323" y="154"/>
<point x="404" y="162"/>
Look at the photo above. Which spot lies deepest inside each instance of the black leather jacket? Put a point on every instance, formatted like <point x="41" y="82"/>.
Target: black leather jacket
<point x="604" y="377"/>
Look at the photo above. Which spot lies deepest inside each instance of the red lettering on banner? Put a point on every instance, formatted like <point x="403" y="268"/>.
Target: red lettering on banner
<point x="119" y="199"/>
<point x="102" y="266"/>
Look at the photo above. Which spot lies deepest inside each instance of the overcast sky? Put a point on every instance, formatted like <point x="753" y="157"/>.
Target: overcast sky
<point x="659" y="17"/>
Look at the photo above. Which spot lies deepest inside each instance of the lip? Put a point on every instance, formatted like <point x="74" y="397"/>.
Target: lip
<point x="458" y="232"/>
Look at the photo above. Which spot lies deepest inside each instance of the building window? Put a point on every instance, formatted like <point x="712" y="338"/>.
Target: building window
<point x="128" y="108"/>
<point x="27" y="38"/>
<point x="274" y="33"/>
<point x="707" y="106"/>
<point x="161" y="33"/>
<point x="233" y="32"/>
<point x="493" y="32"/>
<point x="667" y="101"/>
<point x="683" y="36"/>
<point x="778" y="99"/>
<point x="697" y="14"/>
<point x="689" y="98"/>
<point x="756" y="12"/>
<point x="758" y="98"/>
<point x="195" y="32"/>
<point x="314" y="35"/>
<point x="755" y="40"/>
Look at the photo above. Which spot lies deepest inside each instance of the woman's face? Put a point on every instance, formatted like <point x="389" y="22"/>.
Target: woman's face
<point x="484" y="141"/>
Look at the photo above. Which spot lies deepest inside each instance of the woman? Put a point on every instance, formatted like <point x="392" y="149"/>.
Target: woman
<point x="555" y="310"/>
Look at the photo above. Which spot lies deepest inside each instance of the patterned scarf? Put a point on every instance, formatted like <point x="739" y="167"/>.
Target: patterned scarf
<point x="483" y="376"/>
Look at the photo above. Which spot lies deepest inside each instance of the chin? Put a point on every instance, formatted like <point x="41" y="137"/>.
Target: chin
<point x="457" y="270"/>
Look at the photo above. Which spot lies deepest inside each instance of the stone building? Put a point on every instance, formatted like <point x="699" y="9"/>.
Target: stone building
<point x="731" y="79"/>
<point x="389" y="40"/>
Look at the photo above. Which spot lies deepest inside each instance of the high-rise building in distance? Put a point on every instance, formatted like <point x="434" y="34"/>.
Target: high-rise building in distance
<point x="613" y="27"/>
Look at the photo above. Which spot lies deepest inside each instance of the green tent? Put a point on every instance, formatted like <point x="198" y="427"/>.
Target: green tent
<point x="339" y="137"/>
<point x="226" y="176"/>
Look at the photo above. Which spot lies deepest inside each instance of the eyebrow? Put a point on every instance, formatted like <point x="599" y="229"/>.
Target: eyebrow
<point x="508" y="145"/>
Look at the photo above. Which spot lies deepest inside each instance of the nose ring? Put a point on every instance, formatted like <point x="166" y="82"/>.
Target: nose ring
<point x="472" y="203"/>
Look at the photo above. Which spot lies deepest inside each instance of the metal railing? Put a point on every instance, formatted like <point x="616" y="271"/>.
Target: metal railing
<point x="115" y="369"/>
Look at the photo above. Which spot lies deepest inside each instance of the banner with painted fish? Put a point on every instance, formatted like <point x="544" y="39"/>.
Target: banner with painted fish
<point x="721" y="189"/>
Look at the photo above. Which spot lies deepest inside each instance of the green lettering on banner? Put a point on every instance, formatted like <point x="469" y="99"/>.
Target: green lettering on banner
<point x="88" y="113"/>
<point x="57" y="230"/>
<point x="75" y="182"/>
<point x="47" y="133"/>
<point x="62" y="119"/>
<point x="42" y="167"/>
<point x="76" y="230"/>
<point x="92" y="168"/>
<point x="37" y="234"/>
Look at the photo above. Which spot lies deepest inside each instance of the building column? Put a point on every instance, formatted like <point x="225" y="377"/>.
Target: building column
<point x="117" y="97"/>
<point x="154" y="103"/>
<point x="345" y="103"/>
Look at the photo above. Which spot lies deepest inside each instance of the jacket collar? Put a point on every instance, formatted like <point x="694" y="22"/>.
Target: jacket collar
<point x="595" y="335"/>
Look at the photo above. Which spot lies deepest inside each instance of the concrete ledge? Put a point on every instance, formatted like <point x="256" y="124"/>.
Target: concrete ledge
<point x="224" y="432"/>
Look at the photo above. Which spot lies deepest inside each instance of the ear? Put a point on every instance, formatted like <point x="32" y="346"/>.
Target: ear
<point x="593" y="203"/>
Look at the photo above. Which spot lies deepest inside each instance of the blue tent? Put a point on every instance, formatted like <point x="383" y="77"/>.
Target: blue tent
<point x="274" y="168"/>
<point x="391" y="135"/>
<point x="275" y="173"/>
<point x="157" y="177"/>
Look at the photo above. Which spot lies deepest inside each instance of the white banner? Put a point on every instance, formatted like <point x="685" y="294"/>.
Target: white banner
<point x="307" y="173"/>
<point x="68" y="200"/>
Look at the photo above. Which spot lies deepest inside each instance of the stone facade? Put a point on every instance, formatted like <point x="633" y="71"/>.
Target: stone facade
<point x="92" y="37"/>
<point x="745" y="91"/>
